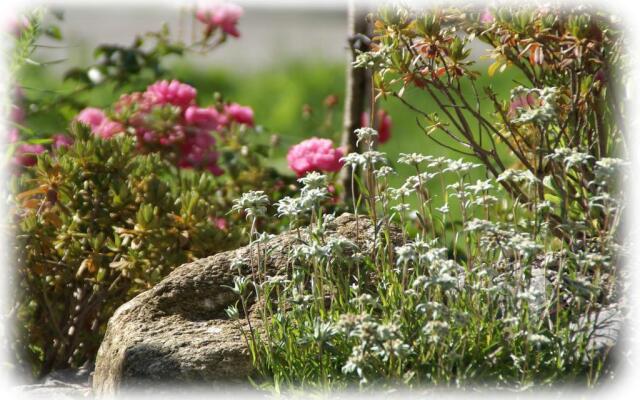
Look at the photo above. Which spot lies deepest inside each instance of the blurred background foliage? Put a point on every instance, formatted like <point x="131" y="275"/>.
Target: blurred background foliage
<point x="288" y="100"/>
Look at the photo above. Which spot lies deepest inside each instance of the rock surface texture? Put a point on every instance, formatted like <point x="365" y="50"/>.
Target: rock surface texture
<point x="178" y="331"/>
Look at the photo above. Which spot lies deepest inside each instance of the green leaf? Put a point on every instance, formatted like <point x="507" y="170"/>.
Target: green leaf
<point x="53" y="32"/>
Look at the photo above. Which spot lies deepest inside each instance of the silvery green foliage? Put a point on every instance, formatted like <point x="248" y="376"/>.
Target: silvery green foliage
<point x="384" y="172"/>
<point x="369" y="160"/>
<point x="290" y="207"/>
<point x="312" y="194"/>
<point x="366" y="135"/>
<point x="232" y="312"/>
<point x="314" y="180"/>
<point x="518" y="176"/>
<point x="481" y="186"/>
<point x="253" y="204"/>
<point x="391" y="312"/>
<point x="460" y="166"/>
<point x="352" y="160"/>
<point x="405" y="254"/>
<point x="543" y="112"/>
<point x="378" y="59"/>
<point x="237" y="264"/>
<point x="373" y="159"/>
<point x="571" y="158"/>
<point x="413" y="159"/>
<point x="608" y="169"/>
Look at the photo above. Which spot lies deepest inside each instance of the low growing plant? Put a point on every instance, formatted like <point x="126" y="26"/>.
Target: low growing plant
<point x="512" y="308"/>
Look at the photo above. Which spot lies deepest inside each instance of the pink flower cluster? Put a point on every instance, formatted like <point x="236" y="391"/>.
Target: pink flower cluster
<point x="222" y="15"/>
<point x="25" y="154"/>
<point x="382" y="124"/>
<point x="61" y="140"/>
<point x="100" y="125"/>
<point x="314" y="155"/>
<point x="171" y="92"/>
<point x="165" y="118"/>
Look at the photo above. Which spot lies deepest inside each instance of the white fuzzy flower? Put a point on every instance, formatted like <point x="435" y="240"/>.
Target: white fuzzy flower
<point x="253" y="204"/>
<point x="314" y="180"/>
<point x="366" y="135"/>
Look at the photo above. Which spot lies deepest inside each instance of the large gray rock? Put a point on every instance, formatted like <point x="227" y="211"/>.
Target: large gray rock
<point x="178" y="331"/>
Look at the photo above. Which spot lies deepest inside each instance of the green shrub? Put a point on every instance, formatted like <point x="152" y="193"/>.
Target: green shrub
<point x="567" y="102"/>
<point x="98" y="223"/>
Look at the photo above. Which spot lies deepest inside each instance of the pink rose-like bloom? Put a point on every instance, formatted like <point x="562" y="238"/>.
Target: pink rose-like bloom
<point x="206" y="118"/>
<point x="223" y="15"/>
<point x="173" y="92"/>
<point x="239" y="114"/>
<point x="108" y="129"/>
<point x="92" y="117"/>
<point x="314" y="155"/>
<point x="61" y="140"/>
<point x="25" y="154"/>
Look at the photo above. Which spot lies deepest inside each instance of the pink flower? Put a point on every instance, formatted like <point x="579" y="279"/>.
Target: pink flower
<point x="174" y="92"/>
<point x="61" y="140"/>
<point x="206" y="118"/>
<point x="486" y="17"/>
<point x="220" y="223"/>
<point x="91" y="117"/>
<point x="25" y="154"/>
<point x="239" y="114"/>
<point x="314" y="155"/>
<point x="147" y="136"/>
<point x="100" y="125"/>
<point x="198" y="151"/>
<point x="382" y="124"/>
<point x="222" y="15"/>
<point x="215" y="169"/>
<point x="108" y="129"/>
